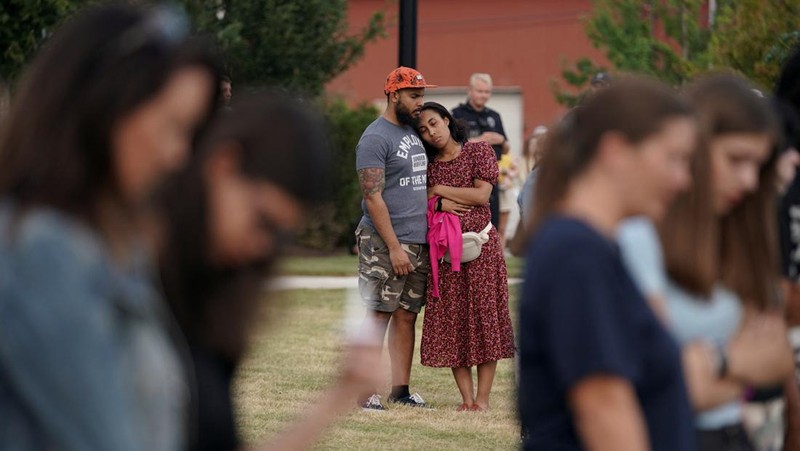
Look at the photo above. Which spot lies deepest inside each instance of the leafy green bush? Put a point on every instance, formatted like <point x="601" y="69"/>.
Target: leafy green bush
<point x="331" y="225"/>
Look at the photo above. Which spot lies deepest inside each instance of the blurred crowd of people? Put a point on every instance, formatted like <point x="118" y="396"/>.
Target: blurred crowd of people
<point x="657" y="311"/>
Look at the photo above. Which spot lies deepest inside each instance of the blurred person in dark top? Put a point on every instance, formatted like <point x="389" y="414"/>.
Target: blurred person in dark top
<point x="598" y="370"/>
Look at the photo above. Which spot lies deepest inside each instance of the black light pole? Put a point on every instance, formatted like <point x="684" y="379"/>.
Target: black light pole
<point x="408" y="34"/>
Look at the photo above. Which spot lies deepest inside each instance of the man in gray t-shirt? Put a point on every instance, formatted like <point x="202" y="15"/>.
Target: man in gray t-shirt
<point x="399" y="151"/>
<point x="393" y="257"/>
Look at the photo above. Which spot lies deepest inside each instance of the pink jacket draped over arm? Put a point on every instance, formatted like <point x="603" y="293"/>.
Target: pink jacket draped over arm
<point x="444" y="232"/>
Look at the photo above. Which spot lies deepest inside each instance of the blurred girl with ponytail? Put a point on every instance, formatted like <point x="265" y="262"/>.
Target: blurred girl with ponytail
<point x="597" y="368"/>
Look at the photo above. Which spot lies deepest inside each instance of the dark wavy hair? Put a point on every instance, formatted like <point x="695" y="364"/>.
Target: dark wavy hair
<point x="56" y="141"/>
<point x="457" y="128"/>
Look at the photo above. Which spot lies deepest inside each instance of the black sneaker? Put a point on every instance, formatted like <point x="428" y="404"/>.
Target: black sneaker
<point x="373" y="403"/>
<point x="414" y="400"/>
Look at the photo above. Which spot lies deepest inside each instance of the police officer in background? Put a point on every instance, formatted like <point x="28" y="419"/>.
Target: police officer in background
<point x="483" y="124"/>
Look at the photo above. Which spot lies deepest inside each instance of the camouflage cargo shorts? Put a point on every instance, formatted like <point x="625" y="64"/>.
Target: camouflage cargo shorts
<point x="380" y="288"/>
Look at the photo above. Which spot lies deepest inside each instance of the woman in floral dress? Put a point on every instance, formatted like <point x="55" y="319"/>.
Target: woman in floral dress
<point x="469" y="323"/>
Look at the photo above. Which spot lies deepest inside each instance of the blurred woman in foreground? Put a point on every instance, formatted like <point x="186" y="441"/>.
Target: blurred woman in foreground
<point x="105" y="111"/>
<point x="597" y="368"/>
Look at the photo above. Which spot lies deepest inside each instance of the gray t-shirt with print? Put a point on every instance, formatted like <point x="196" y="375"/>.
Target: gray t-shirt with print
<point x="399" y="151"/>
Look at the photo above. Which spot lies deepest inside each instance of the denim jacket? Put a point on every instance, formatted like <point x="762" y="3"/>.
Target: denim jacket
<point x="86" y="362"/>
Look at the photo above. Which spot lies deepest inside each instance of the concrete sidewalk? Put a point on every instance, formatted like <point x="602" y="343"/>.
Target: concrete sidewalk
<point x="324" y="283"/>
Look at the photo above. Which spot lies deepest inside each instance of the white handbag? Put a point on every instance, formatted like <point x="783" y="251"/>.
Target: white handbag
<point x="471" y="244"/>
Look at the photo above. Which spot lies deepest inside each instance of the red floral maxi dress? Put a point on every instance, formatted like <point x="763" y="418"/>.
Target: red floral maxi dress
<point x="470" y="323"/>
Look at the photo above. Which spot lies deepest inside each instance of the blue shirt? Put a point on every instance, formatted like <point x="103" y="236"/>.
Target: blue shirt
<point x="581" y="315"/>
<point x="85" y="360"/>
<point x="691" y="317"/>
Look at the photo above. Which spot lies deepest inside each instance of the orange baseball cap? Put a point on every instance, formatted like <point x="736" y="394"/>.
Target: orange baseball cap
<point x="404" y="78"/>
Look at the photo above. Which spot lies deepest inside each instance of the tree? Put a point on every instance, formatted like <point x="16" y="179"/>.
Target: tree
<point x="576" y="76"/>
<point x="300" y="45"/>
<point x="25" y="25"/>
<point x="660" y="38"/>
<point x="669" y="40"/>
<point x="754" y="37"/>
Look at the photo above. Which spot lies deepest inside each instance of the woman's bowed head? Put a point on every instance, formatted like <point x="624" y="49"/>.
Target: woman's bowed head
<point x="443" y="136"/>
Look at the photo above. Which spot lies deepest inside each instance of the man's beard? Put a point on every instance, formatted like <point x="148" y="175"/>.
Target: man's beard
<point x="403" y="116"/>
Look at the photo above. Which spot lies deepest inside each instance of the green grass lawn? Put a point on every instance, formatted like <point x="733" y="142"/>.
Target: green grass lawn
<point x="347" y="265"/>
<point x="329" y="265"/>
<point x="294" y="357"/>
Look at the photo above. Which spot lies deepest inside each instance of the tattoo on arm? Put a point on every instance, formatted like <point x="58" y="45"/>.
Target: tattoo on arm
<point x="372" y="180"/>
